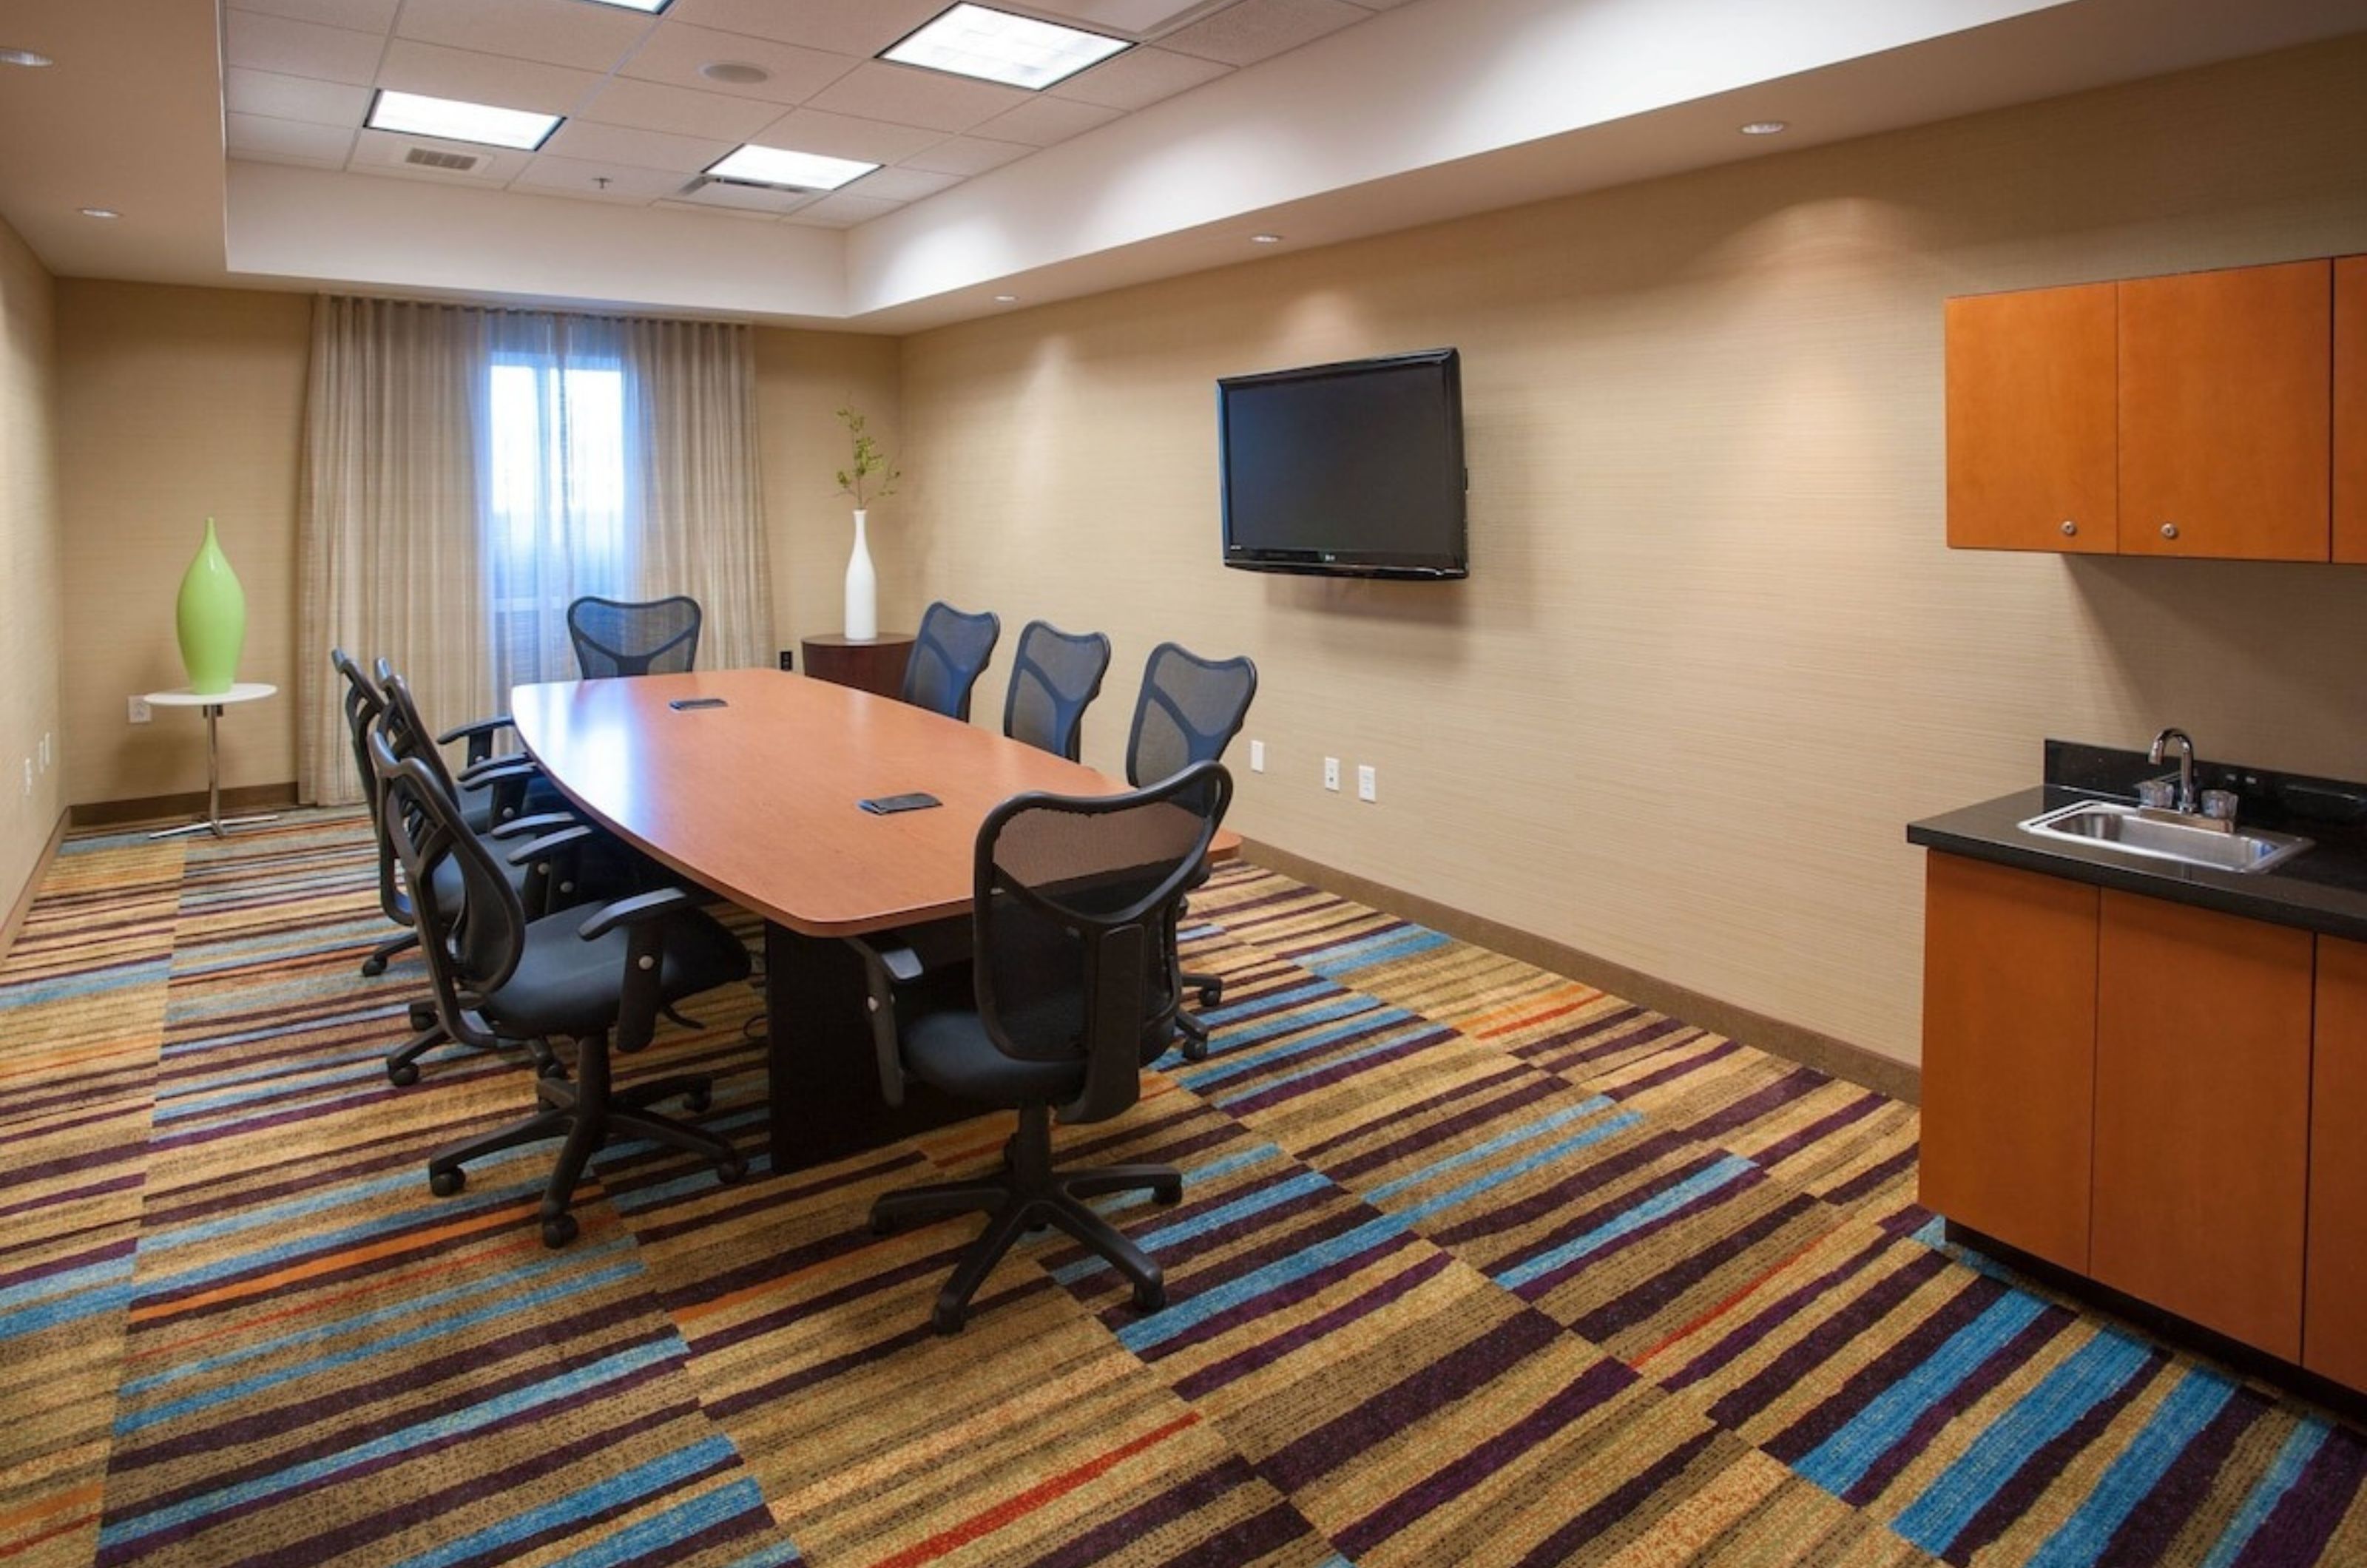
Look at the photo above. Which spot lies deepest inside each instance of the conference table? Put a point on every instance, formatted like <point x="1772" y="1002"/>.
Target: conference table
<point x="757" y="801"/>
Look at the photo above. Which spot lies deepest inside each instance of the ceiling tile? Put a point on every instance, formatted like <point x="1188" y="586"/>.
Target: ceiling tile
<point x="843" y="27"/>
<point x="966" y="156"/>
<point x="843" y="136"/>
<point x="596" y="143"/>
<point x="1259" y="29"/>
<point x="362" y="16"/>
<point x="288" y="141"/>
<point x="382" y="152"/>
<point x="650" y="105"/>
<point x="905" y="94"/>
<point x="1138" y="78"/>
<point x="548" y="175"/>
<point x="294" y="97"/>
<point x="299" y="48"/>
<point x="902" y="185"/>
<point x="555" y="32"/>
<point x="843" y="210"/>
<point x="1041" y="121"/>
<point x="414" y="67"/>
<point x="678" y="50"/>
<point x="748" y="198"/>
<point x="1135" y="19"/>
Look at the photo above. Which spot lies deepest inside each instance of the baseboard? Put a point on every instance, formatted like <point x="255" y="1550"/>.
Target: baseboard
<point x="182" y="807"/>
<point x="24" y="904"/>
<point x="1885" y="1075"/>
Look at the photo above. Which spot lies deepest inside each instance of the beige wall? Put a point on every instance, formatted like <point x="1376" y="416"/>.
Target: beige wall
<point x="181" y="404"/>
<point x="28" y="562"/>
<point x="801" y="379"/>
<point x="176" y="405"/>
<point x="1713" y="655"/>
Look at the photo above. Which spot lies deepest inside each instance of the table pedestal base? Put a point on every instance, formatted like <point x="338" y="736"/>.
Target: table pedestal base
<point x="220" y="826"/>
<point x="822" y="1077"/>
<point x="214" y="821"/>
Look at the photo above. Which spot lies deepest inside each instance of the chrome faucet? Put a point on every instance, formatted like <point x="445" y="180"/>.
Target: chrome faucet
<point x="2161" y="744"/>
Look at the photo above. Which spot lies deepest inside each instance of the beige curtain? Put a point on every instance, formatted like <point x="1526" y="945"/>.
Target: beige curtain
<point x="469" y="472"/>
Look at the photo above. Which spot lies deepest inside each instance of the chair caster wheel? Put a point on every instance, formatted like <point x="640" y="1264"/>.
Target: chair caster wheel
<point x="373" y="966"/>
<point x="1196" y="1050"/>
<point x="558" y="1233"/>
<point x="1212" y="996"/>
<point x="554" y="1069"/>
<point x="1167" y="1194"/>
<point x="948" y="1319"/>
<point x="696" y="1101"/>
<point x="403" y="1075"/>
<point x="445" y="1183"/>
<point x="1150" y="1298"/>
<point x="731" y="1171"/>
<point x="423" y="1015"/>
<point x="882" y="1225"/>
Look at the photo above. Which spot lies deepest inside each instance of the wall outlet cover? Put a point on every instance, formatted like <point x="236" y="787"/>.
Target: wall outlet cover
<point x="1257" y="756"/>
<point x="1331" y="773"/>
<point x="138" y="710"/>
<point x="1368" y="783"/>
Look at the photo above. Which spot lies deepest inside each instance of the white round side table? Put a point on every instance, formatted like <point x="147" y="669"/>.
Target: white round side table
<point x="212" y="703"/>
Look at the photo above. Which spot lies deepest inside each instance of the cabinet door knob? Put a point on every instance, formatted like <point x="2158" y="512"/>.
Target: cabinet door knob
<point x="2070" y="528"/>
<point x="2169" y="530"/>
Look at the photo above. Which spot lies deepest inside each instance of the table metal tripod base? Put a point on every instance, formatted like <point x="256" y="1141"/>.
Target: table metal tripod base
<point x="213" y="821"/>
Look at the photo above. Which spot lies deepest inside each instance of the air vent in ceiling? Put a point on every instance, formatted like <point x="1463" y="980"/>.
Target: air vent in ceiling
<point x="428" y="158"/>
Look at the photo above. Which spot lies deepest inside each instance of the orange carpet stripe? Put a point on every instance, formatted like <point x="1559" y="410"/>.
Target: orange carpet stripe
<point x="1034" y="1497"/>
<point x="88" y="1491"/>
<point x="67" y="1528"/>
<point x="1491" y="1031"/>
<point x="1727" y="1305"/>
<point x="692" y="1311"/>
<point x="262" y="1284"/>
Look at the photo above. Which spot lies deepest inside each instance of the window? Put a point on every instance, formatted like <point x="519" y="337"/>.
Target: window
<point x="556" y="525"/>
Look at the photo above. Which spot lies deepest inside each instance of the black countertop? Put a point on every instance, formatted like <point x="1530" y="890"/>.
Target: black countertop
<point x="2322" y="889"/>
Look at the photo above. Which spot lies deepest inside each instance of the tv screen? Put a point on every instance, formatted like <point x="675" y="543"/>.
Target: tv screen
<point x="1354" y="470"/>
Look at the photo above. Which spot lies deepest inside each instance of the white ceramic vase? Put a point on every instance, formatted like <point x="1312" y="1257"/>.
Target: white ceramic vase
<point x="862" y="588"/>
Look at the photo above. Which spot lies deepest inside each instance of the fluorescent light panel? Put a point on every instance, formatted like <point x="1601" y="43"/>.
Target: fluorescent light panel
<point x="995" y="46"/>
<point x="757" y="166"/>
<point x="651" y="7"/>
<point x="450" y="120"/>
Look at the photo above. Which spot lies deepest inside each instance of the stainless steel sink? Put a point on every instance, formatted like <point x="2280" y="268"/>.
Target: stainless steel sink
<point x="2167" y="835"/>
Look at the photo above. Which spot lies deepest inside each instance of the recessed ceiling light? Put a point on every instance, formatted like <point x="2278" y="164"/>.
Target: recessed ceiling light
<point x="100" y="212"/>
<point x="1007" y="298"/>
<point x="450" y="120"/>
<point x="757" y="166"/>
<point x="30" y="57"/>
<point x="1265" y="239"/>
<point x="995" y="46"/>
<point x="1766" y="127"/>
<point x="735" y="73"/>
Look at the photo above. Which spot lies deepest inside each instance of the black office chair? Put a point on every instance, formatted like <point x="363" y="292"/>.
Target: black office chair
<point x="493" y="789"/>
<point x="949" y="653"/>
<point x="500" y="798"/>
<point x="1055" y="676"/>
<point x="1189" y="711"/>
<point x="1074" y="998"/>
<point x="599" y="979"/>
<point x="617" y="637"/>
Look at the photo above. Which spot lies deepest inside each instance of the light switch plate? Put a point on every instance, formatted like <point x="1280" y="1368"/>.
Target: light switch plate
<point x="1368" y="783"/>
<point x="1257" y="756"/>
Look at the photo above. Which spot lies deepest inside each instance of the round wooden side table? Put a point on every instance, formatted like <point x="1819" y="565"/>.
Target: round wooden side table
<point x="868" y="664"/>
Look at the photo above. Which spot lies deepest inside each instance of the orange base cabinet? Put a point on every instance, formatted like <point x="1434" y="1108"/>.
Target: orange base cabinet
<point x="2202" y="1100"/>
<point x="2334" y="1320"/>
<point x="2009" y="1054"/>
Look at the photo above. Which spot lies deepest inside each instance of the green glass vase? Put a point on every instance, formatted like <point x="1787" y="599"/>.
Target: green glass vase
<point x="210" y="618"/>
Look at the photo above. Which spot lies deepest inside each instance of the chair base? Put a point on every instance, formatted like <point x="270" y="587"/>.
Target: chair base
<point x="402" y="1062"/>
<point x="589" y="1113"/>
<point x="1025" y="1195"/>
<point x="388" y="950"/>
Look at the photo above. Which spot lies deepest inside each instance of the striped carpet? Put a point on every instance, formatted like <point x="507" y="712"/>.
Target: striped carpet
<point x="1475" y="1266"/>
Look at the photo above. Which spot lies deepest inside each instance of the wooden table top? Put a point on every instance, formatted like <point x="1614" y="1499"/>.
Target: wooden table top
<point x="757" y="800"/>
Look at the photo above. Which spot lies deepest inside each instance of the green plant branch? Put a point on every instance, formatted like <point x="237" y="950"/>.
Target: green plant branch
<point x="871" y="474"/>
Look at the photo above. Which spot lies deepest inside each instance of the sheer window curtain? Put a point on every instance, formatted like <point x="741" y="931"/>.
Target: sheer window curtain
<point x="469" y="472"/>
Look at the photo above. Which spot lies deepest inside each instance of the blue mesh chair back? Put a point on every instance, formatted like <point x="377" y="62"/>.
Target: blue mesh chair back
<point x="949" y="653"/>
<point x="1055" y="676"/>
<point x="617" y="637"/>
<point x="1189" y="711"/>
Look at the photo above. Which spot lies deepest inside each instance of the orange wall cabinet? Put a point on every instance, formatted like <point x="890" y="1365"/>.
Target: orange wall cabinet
<point x="2350" y="408"/>
<point x="2032" y="406"/>
<point x="2334" y="1321"/>
<point x="2225" y="413"/>
<point x="2009" y="1054"/>
<point x="2202" y="1084"/>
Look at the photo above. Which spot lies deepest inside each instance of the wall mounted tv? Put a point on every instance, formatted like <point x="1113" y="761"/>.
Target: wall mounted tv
<point x="1350" y="470"/>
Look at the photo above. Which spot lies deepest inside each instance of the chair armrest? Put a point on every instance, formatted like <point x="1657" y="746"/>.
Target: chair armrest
<point x="479" y="735"/>
<point x="886" y="965"/>
<point x="639" y="909"/>
<point x="493" y="769"/>
<point x="551" y="843"/>
<point x="541" y="822"/>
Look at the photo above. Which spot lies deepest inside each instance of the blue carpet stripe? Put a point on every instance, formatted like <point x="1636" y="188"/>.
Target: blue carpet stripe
<point x="622" y="1490"/>
<point x="2181" y="1413"/>
<point x="651" y="1536"/>
<point x="1535" y="1160"/>
<point x="1216" y="1218"/>
<point x="2299" y="1449"/>
<point x="1348" y="957"/>
<point x="1397" y="1035"/>
<point x="1181" y="1317"/>
<point x="1733" y="1167"/>
<point x="1495" y="1146"/>
<point x="1234" y="1062"/>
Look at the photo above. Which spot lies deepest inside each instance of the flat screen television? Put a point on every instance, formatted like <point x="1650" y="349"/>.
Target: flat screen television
<point x="1352" y="470"/>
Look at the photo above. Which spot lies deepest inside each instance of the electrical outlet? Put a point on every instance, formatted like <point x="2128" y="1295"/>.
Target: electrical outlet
<point x="1368" y="783"/>
<point x="788" y="661"/>
<point x="1257" y="756"/>
<point x="139" y="712"/>
<point x="1331" y="773"/>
